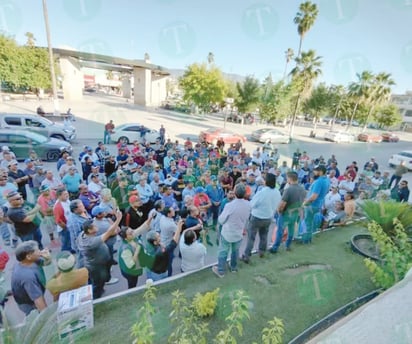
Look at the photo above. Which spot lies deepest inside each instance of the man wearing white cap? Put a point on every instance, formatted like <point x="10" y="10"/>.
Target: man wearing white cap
<point x="6" y="149"/>
<point x="67" y="278"/>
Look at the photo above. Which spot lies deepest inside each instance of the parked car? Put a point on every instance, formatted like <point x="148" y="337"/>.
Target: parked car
<point x="390" y="137"/>
<point x="130" y="132"/>
<point x="213" y="134"/>
<point x="22" y="142"/>
<point x="274" y="135"/>
<point x="339" y="136"/>
<point x="369" y="137"/>
<point x="396" y="159"/>
<point x="37" y="124"/>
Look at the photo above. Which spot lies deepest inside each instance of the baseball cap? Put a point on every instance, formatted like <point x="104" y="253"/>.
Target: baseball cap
<point x="12" y="195"/>
<point x="12" y="162"/>
<point x="97" y="210"/>
<point x="44" y="188"/>
<point x="320" y="168"/>
<point x="5" y="148"/>
<point x="26" y="161"/>
<point x="199" y="189"/>
<point x="213" y="178"/>
<point x="131" y="188"/>
<point x="65" y="261"/>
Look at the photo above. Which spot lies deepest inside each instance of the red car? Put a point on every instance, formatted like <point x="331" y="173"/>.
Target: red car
<point x="390" y="137"/>
<point x="368" y="137"/>
<point x="212" y="135"/>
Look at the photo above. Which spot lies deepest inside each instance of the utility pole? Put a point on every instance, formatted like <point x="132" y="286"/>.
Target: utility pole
<point x="51" y="59"/>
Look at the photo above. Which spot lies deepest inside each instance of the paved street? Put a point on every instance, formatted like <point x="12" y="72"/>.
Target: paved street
<point x="96" y="110"/>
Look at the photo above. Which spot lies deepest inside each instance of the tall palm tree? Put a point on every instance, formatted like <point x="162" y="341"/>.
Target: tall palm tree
<point x="380" y="92"/>
<point x="307" y="70"/>
<point x="305" y="19"/>
<point x="210" y="58"/>
<point x="288" y="56"/>
<point x="359" y="91"/>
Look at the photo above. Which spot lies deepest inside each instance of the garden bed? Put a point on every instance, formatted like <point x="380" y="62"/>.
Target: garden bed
<point x="300" y="287"/>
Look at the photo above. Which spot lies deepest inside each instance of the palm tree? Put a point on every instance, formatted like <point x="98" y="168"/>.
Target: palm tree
<point x="210" y="58"/>
<point x="380" y="92"/>
<point x="307" y="70"/>
<point x="305" y="19"/>
<point x="359" y="91"/>
<point x="339" y="96"/>
<point x="289" y="56"/>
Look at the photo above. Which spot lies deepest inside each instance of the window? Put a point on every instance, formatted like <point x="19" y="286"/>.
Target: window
<point x="33" y="123"/>
<point x="18" y="139"/>
<point x="13" y="121"/>
<point x="4" y="139"/>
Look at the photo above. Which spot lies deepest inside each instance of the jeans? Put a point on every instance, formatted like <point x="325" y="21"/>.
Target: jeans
<point x="254" y="226"/>
<point x="310" y="212"/>
<point x="214" y="213"/>
<point x="170" y="266"/>
<point x="154" y="276"/>
<point x="131" y="280"/>
<point x="33" y="235"/>
<point x="5" y="233"/>
<point x="396" y="179"/>
<point x="64" y="236"/>
<point x="289" y="220"/>
<point x="98" y="276"/>
<point x="106" y="137"/>
<point x="224" y="247"/>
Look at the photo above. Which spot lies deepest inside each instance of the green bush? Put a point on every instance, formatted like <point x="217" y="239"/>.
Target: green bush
<point x="384" y="213"/>
<point x="395" y="253"/>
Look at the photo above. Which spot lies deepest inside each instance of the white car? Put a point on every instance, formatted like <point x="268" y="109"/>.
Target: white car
<point x="339" y="136"/>
<point x="133" y="131"/>
<point x="274" y="135"/>
<point x="396" y="159"/>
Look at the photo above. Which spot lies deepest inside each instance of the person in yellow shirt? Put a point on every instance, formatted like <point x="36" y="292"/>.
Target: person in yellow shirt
<point x="67" y="278"/>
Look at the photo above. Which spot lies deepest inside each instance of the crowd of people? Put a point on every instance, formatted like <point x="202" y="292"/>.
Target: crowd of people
<point x="135" y="207"/>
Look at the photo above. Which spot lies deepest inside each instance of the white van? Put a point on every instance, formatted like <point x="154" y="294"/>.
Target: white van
<point x="38" y="125"/>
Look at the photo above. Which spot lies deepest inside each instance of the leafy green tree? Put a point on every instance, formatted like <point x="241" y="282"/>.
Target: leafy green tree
<point x="307" y="70"/>
<point x="388" y="116"/>
<point x="338" y="100"/>
<point x="248" y="94"/>
<point x="317" y="104"/>
<point x="203" y="86"/>
<point x="31" y="40"/>
<point x="24" y="66"/>
<point x="305" y="19"/>
<point x="10" y="70"/>
<point x="276" y="101"/>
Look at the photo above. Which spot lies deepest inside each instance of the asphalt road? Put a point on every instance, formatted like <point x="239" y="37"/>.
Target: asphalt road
<point x="94" y="111"/>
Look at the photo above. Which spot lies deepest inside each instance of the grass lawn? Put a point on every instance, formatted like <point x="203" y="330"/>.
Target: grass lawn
<point x="300" y="287"/>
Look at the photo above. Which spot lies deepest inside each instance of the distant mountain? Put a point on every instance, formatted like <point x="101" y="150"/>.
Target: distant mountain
<point x="177" y="73"/>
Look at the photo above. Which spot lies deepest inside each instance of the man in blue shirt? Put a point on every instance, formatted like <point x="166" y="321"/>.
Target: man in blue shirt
<point x="314" y="200"/>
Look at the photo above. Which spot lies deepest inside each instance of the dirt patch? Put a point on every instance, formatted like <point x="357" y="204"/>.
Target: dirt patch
<point x="296" y="269"/>
<point x="262" y="279"/>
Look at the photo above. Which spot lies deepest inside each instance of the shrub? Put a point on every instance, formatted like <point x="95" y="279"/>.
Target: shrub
<point x="205" y="305"/>
<point x="384" y="213"/>
<point x="395" y="252"/>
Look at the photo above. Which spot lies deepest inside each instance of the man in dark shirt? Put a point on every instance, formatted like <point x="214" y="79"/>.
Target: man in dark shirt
<point x="110" y="166"/>
<point x="289" y="210"/>
<point x="96" y="255"/>
<point x="28" y="279"/>
<point x="26" y="229"/>
<point x="157" y="255"/>
<point x="18" y="176"/>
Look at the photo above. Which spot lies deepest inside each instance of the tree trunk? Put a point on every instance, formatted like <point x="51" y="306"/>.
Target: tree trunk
<point x="300" y="46"/>
<point x="292" y="123"/>
<point x="352" y="116"/>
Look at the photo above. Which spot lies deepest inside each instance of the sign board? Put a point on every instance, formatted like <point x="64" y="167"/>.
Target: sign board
<point x="75" y="311"/>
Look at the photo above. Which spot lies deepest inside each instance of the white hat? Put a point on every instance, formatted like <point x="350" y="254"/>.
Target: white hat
<point x="5" y="148"/>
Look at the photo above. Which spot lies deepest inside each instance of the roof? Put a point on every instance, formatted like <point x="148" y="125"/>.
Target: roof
<point x="109" y="62"/>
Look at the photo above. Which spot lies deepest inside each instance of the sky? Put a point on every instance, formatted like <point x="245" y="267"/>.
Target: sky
<point x="247" y="37"/>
